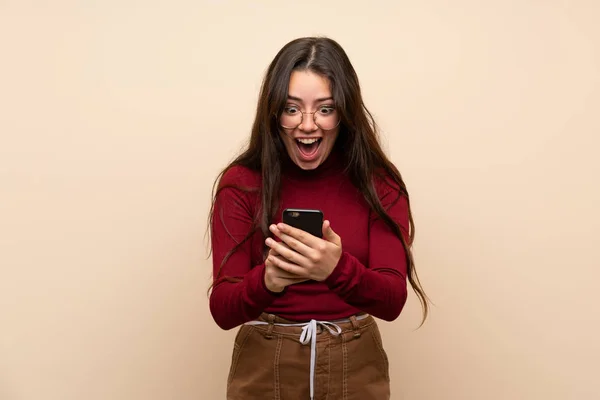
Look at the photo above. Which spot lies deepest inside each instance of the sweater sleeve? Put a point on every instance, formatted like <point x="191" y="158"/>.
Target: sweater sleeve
<point x="239" y="293"/>
<point x="378" y="288"/>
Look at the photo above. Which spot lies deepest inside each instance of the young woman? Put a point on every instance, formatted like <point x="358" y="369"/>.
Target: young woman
<point x="307" y="303"/>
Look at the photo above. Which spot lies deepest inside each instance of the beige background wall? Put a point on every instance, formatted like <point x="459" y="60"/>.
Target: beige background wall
<point x="116" y="116"/>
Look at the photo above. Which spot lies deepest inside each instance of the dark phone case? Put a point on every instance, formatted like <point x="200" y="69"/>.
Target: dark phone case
<point x="310" y="221"/>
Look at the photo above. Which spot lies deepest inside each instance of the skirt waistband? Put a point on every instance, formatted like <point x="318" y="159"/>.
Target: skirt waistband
<point x="308" y="333"/>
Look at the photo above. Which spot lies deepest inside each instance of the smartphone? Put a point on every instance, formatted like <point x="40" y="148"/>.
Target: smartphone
<point x="310" y="221"/>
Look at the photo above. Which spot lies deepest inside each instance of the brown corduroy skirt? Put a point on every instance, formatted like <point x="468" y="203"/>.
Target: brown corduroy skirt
<point x="279" y="359"/>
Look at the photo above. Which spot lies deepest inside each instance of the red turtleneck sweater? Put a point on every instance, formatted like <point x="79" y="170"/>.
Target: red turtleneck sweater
<point x="370" y="276"/>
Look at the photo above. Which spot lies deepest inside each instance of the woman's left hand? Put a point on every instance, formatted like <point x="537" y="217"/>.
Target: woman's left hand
<point x="306" y="255"/>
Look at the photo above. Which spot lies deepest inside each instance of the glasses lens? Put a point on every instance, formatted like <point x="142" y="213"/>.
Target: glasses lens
<point x="291" y="117"/>
<point x="326" y="117"/>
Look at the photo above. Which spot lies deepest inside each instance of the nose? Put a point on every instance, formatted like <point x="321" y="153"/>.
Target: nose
<point x="308" y="123"/>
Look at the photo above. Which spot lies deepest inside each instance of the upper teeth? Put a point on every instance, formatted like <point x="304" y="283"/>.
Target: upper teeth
<point x="308" y="141"/>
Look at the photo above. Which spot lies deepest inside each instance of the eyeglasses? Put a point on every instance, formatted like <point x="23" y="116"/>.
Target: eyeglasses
<point x="326" y="117"/>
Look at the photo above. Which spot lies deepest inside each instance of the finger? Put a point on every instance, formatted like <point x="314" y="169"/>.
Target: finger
<point x="273" y="251"/>
<point x="287" y="266"/>
<point x="289" y="282"/>
<point x="298" y="234"/>
<point x="329" y="234"/>
<point x="296" y="279"/>
<point x="285" y="251"/>
<point x="281" y="273"/>
<point x="291" y="242"/>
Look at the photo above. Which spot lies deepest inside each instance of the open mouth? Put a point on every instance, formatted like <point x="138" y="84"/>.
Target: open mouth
<point x="308" y="147"/>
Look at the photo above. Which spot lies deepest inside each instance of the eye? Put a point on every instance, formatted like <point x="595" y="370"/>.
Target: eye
<point x="291" y="110"/>
<point x="326" y="110"/>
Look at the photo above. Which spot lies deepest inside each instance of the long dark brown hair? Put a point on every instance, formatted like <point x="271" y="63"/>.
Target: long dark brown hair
<point x="358" y="141"/>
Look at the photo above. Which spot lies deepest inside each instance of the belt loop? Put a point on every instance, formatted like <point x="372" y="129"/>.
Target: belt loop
<point x="355" y="326"/>
<point x="271" y="320"/>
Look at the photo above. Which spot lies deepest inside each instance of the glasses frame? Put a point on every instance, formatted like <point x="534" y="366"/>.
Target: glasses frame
<point x="314" y="114"/>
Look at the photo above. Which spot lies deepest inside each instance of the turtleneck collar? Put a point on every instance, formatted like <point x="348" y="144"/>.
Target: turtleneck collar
<point x="333" y="164"/>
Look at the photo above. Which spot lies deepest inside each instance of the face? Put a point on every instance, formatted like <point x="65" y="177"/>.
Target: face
<point x="310" y="123"/>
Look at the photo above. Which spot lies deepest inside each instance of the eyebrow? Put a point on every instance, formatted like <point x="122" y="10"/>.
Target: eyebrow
<point x="318" y="100"/>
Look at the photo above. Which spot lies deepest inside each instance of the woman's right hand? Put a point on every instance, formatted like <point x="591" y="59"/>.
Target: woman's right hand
<point x="277" y="279"/>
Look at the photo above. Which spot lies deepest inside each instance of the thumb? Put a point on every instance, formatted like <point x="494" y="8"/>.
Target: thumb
<point x="329" y="234"/>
